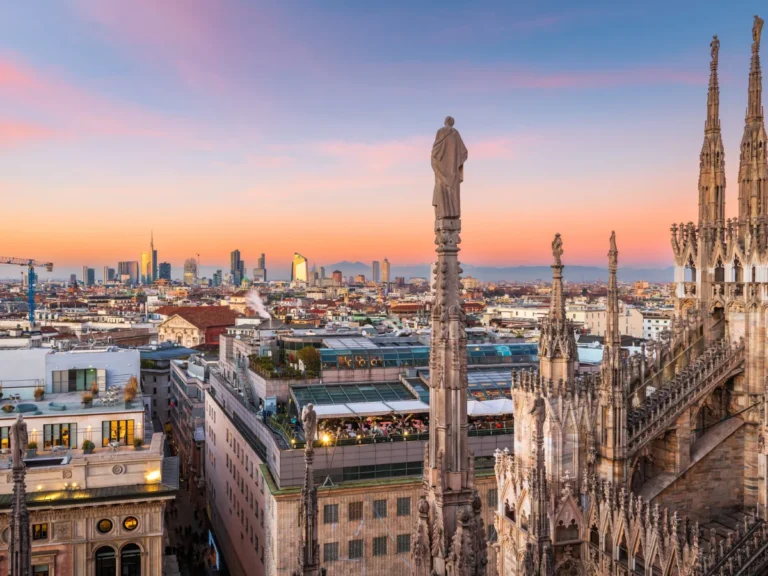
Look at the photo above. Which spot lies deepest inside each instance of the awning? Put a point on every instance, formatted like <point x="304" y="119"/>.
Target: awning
<point x="475" y="408"/>
<point x="333" y="411"/>
<point x="369" y="408"/>
<point x="408" y="406"/>
<point x="490" y="407"/>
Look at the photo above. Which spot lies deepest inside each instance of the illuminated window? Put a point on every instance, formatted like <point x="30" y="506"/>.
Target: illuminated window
<point x="130" y="523"/>
<point x="40" y="531"/>
<point x="120" y="431"/>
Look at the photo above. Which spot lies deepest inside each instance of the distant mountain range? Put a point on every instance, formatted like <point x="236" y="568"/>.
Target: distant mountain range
<point x="514" y="273"/>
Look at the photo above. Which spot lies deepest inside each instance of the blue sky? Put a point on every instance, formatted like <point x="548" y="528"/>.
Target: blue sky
<point x="305" y="126"/>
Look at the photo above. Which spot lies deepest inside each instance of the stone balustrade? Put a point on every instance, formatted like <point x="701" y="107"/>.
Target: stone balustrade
<point x="664" y="406"/>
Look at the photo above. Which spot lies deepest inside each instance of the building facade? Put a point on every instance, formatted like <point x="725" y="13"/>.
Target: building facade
<point x="657" y="464"/>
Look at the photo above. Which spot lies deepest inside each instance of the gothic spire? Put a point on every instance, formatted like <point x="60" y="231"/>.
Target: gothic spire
<point x="713" y="94"/>
<point x="712" y="159"/>
<point x="755" y="102"/>
<point x="612" y="332"/>
<point x="558" y="356"/>
<point x="753" y="170"/>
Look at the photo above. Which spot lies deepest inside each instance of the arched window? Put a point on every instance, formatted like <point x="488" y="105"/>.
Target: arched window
<point x="106" y="561"/>
<point x="509" y="511"/>
<point x="130" y="560"/>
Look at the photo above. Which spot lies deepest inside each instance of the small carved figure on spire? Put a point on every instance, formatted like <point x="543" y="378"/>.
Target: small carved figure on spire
<point x="757" y="29"/>
<point x="715" y="46"/>
<point x="613" y="253"/>
<point x="557" y="249"/>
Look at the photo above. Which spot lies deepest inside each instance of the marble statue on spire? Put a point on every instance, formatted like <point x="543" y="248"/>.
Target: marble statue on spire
<point x="757" y="29"/>
<point x="557" y="249"/>
<point x="449" y="538"/>
<point x="448" y="157"/>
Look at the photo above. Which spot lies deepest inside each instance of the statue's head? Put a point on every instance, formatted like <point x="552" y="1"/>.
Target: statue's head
<point x="449" y="121"/>
<point x="20" y="419"/>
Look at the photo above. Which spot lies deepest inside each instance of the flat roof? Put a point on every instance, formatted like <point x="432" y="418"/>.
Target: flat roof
<point x="90" y="495"/>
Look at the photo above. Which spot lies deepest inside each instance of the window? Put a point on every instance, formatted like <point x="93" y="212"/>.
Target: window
<point x="404" y="506"/>
<point x="117" y="431"/>
<point x="330" y="551"/>
<point x="59" y="435"/>
<point x="380" y="546"/>
<point x="104" y="526"/>
<point x="355" y="510"/>
<point x="492" y="535"/>
<point x="130" y="523"/>
<point x="403" y="543"/>
<point x="331" y="514"/>
<point x="40" y="531"/>
<point x="493" y="497"/>
<point x="78" y="380"/>
<point x="130" y="560"/>
<point x="106" y="561"/>
<point x="41" y="570"/>
<point x="379" y="508"/>
<point x="355" y="549"/>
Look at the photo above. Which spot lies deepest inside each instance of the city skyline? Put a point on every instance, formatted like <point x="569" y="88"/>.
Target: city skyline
<point x="602" y="105"/>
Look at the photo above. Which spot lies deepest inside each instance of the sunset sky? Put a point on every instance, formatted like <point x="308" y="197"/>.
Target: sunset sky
<point x="307" y="126"/>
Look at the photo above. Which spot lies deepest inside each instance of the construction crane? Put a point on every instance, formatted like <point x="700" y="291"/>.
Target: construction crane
<point x="31" y="278"/>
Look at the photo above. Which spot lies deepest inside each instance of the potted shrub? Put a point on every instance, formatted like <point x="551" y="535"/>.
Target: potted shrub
<point x="131" y="390"/>
<point x="31" y="449"/>
<point x="87" y="399"/>
<point x="8" y="408"/>
<point x="88" y="447"/>
<point x="138" y="443"/>
<point x="95" y="389"/>
<point x="39" y="393"/>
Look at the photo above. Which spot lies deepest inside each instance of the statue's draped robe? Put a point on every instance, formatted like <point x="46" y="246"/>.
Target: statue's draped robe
<point x="448" y="157"/>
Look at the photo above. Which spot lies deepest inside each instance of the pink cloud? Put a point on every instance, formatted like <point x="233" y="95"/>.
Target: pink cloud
<point x="383" y="156"/>
<point x="75" y="111"/>
<point x="16" y="133"/>
<point x="208" y="45"/>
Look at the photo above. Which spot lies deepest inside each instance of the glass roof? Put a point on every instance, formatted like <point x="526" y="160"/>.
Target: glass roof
<point x="346" y="393"/>
<point x="348" y="343"/>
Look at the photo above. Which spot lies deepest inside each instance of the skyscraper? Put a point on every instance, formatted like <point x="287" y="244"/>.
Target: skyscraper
<point x="260" y="272"/>
<point x="89" y="276"/>
<point x="153" y="256"/>
<point x="385" y="271"/>
<point x="108" y="275"/>
<point x="146" y="268"/>
<point x="165" y="271"/>
<point x="338" y="278"/>
<point x="190" y="271"/>
<point x="217" y="278"/>
<point x="128" y="272"/>
<point x="299" y="268"/>
<point x="376" y="271"/>
<point x="322" y="271"/>
<point x="236" y="267"/>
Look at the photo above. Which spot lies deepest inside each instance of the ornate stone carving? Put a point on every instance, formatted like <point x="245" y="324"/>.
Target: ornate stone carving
<point x="62" y="530"/>
<point x="66" y="474"/>
<point x="118" y="469"/>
